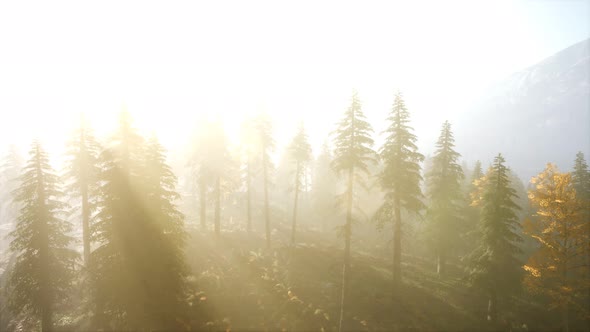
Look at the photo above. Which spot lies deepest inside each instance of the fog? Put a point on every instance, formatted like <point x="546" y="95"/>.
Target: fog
<point x="334" y="166"/>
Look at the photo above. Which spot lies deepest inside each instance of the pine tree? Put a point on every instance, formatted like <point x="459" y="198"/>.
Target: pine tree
<point x="10" y="171"/>
<point x="400" y="177"/>
<point x="248" y="145"/>
<point x="267" y="145"/>
<point x="556" y="268"/>
<point x="200" y="167"/>
<point x="470" y="232"/>
<point x="352" y="154"/>
<point x="220" y="165"/>
<point x="82" y="177"/>
<point x="167" y="271"/>
<point x="300" y="153"/>
<point x="493" y="265"/>
<point x="581" y="177"/>
<point x="136" y="267"/>
<point x="581" y="182"/>
<point x="43" y="272"/>
<point x="118" y="233"/>
<point x="444" y="194"/>
<point x="324" y="188"/>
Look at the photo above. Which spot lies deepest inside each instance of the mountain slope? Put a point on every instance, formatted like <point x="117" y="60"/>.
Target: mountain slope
<point x="538" y="115"/>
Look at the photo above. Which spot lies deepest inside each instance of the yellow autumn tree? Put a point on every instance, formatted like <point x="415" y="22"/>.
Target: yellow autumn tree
<point x="557" y="267"/>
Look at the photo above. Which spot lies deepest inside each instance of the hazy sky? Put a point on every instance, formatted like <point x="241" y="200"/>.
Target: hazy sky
<point x="299" y="60"/>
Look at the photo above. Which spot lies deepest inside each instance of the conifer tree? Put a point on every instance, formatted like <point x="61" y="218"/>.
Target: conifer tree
<point x="10" y="171"/>
<point x="352" y="154"/>
<point x="200" y="167"/>
<point x="267" y="145"/>
<point x="444" y="194"/>
<point x="136" y="267"/>
<point x="581" y="182"/>
<point x="220" y="165"/>
<point x="493" y="265"/>
<point x="300" y="153"/>
<point x="324" y="188"/>
<point x="248" y="142"/>
<point x="43" y="271"/>
<point x="581" y="177"/>
<point x="82" y="177"/>
<point x="400" y="177"/>
<point x="168" y="270"/>
<point x="556" y="268"/>
<point x="470" y="232"/>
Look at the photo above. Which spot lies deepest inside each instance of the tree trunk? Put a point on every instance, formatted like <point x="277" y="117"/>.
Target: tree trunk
<point x="203" y="203"/>
<point x="217" y="206"/>
<point x="492" y="307"/>
<point x="294" y="224"/>
<point x="249" y="196"/>
<point x="85" y="224"/>
<point x="347" y="239"/>
<point x="44" y="282"/>
<point x="397" y="245"/>
<point x="266" y="208"/>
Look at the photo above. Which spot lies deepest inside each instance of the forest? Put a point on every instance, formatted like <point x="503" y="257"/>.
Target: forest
<point x="347" y="236"/>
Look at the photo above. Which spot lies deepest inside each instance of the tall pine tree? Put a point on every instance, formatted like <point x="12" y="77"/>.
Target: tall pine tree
<point x="266" y="143"/>
<point x="201" y="168"/>
<point x="219" y="165"/>
<point x="324" y="189"/>
<point x="444" y="194"/>
<point x="300" y="153"/>
<point x="493" y="265"/>
<point x="43" y="271"/>
<point x="581" y="182"/>
<point x="137" y="263"/>
<point x="168" y="270"/>
<point x="248" y="146"/>
<point x="400" y="177"/>
<point x="352" y="154"/>
<point x="82" y="177"/>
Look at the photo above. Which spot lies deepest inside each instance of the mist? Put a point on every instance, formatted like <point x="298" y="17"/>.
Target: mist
<point x="334" y="166"/>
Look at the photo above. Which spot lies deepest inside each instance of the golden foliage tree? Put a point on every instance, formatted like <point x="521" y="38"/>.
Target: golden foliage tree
<point x="557" y="268"/>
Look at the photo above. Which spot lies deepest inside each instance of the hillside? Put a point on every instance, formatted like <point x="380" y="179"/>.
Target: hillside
<point x="244" y="288"/>
<point x="535" y="116"/>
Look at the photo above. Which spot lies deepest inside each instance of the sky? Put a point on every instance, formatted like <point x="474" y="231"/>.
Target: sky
<point x="170" y="63"/>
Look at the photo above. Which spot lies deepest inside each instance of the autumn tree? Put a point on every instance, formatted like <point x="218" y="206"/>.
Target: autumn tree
<point x="400" y="177"/>
<point x="43" y="272"/>
<point x="493" y="266"/>
<point x="444" y="195"/>
<point x="266" y="143"/>
<point x="557" y="267"/>
<point x="300" y="154"/>
<point x="352" y="154"/>
<point x="81" y="176"/>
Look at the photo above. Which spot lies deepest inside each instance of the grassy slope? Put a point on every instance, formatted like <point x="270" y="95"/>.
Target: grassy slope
<point x="250" y="288"/>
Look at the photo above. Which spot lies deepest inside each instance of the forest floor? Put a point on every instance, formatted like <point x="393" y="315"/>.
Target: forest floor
<point x="242" y="287"/>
